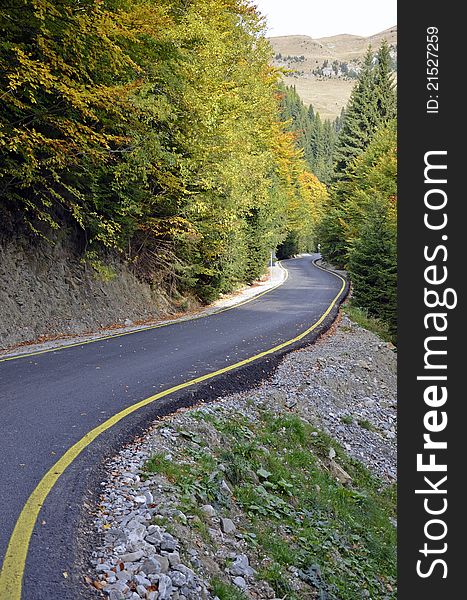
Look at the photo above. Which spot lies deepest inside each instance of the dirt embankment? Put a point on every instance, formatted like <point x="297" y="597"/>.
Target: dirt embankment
<point x="47" y="289"/>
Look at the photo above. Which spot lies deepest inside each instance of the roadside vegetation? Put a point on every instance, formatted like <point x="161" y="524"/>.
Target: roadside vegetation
<point x="361" y="317"/>
<point x="159" y="132"/>
<point x="152" y="130"/>
<point x="358" y="228"/>
<point x="301" y="501"/>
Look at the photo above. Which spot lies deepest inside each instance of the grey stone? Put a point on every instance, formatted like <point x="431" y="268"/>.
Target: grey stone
<point x="339" y="473"/>
<point x="225" y="488"/>
<point x="154" y="538"/>
<point x="241" y="566"/>
<point x="135" y="537"/>
<point x="227" y="526"/>
<point x="209" y="510"/>
<point x="168" y="543"/>
<point x="151" y="565"/>
<point x="163" y="562"/>
<point x="141" y="580"/>
<point x="240" y="583"/>
<point x="119" y="586"/>
<point x="132" y="556"/>
<point x="174" y="558"/>
<point x="165" y="588"/>
<point x="155" y="535"/>
<point x="178" y="579"/>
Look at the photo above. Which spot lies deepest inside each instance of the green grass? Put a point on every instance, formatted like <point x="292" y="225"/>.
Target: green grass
<point x="365" y="424"/>
<point x="341" y="538"/>
<point x="347" y="420"/>
<point x="174" y="471"/>
<point x="359" y="316"/>
<point x="275" y="576"/>
<point x="225" y="591"/>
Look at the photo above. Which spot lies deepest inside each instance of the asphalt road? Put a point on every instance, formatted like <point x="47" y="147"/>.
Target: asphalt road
<point x="48" y="402"/>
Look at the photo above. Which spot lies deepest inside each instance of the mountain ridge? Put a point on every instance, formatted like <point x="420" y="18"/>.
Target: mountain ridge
<point x="324" y="70"/>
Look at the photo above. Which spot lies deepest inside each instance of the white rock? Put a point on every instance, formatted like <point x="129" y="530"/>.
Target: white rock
<point x="240" y="583"/>
<point x="165" y="588"/>
<point x="241" y="566"/>
<point x="209" y="510"/>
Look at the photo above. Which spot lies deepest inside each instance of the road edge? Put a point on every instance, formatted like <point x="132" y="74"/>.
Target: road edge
<point x="247" y="373"/>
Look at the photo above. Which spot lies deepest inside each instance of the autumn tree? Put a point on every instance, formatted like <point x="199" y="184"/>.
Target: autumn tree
<point x="153" y="130"/>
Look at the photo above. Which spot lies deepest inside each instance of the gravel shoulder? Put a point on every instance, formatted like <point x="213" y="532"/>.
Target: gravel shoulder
<point x="283" y="491"/>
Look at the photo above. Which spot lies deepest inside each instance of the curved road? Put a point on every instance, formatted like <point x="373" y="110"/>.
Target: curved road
<point x="49" y="401"/>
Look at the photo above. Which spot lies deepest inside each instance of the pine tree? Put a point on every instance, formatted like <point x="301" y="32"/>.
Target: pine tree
<point x="372" y="104"/>
<point x="316" y="138"/>
<point x="384" y="79"/>
<point x="373" y="267"/>
<point x="361" y="117"/>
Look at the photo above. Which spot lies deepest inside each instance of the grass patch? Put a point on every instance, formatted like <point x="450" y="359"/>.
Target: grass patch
<point x="360" y="316"/>
<point x="341" y="538"/>
<point x="225" y="591"/>
<point x="365" y="424"/>
<point x="347" y="420"/>
<point x="174" y="471"/>
<point x="274" y="575"/>
<point x="302" y="517"/>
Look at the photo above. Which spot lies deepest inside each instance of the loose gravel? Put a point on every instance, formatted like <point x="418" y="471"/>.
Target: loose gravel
<point x="345" y="384"/>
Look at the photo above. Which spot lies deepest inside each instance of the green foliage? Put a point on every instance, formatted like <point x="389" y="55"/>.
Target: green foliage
<point x="315" y="138"/>
<point x="289" y="247"/>
<point x="226" y="591"/>
<point x="372" y="105"/>
<point x="361" y="317"/>
<point x="358" y="230"/>
<point x="293" y="511"/>
<point x="373" y="267"/>
<point x="174" y="471"/>
<point x="153" y="128"/>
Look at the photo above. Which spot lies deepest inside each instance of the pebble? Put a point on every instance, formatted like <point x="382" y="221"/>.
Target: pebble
<point x="209" y="510"/>
<point x="241" y="566"/>
<point x="132" y="556"/>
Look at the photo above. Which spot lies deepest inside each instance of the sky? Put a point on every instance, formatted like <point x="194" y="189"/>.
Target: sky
<point x="323" y="18"/>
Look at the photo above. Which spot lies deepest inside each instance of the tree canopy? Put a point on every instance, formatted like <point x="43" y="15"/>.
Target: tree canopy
<point x="152" y="128"/>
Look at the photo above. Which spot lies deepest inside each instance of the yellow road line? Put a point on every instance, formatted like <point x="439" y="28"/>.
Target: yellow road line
<point x="11" y="575"/>
<point x="149" y="327"/>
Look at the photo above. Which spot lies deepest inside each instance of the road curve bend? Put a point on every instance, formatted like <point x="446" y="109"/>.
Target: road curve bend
<point x="63" y="412"/>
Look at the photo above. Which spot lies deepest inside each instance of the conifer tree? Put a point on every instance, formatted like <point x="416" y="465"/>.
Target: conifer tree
<point x="316" y="138"/>
<point x="373" y="267"/>
<point x="384" y="80"/>
<point x="372" y="104"/>
<point x="361" y="117"/>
